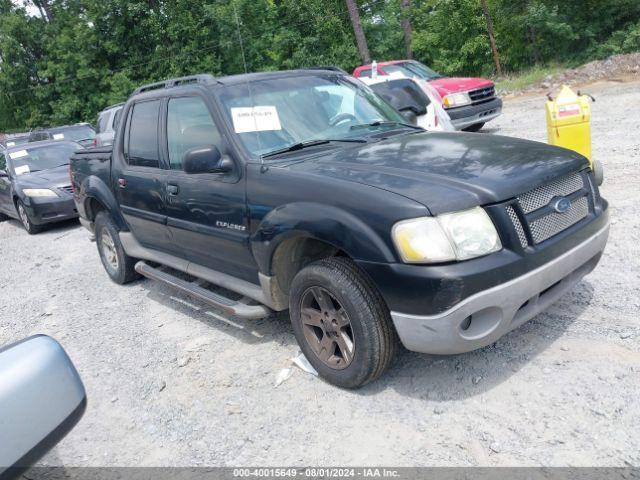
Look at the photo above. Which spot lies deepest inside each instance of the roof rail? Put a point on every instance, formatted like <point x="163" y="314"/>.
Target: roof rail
<point x="176" y="82"/>
<point x="333" y="68"/>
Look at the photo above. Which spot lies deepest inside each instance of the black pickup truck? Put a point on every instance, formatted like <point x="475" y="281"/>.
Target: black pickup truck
<point x="303" y="190"/>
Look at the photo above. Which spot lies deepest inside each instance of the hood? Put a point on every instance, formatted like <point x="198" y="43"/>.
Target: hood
<point x="448" y="85"/>
<point x="52" y="178"/>
<point x="447" y="171"/>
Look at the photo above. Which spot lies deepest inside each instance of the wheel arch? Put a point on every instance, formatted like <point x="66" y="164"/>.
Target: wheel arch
<point x="293" y="236"/>
<point x="98" y="197"/>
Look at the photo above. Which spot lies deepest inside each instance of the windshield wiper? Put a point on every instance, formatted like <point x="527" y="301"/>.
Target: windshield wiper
<point x="311" y="143"/>
<point x="379" y="123"/>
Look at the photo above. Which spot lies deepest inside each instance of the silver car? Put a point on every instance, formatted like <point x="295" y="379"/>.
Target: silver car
<point x="107" y="124"/>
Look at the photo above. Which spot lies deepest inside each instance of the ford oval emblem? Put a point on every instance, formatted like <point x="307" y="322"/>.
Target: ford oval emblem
<point x="561" y="205"/>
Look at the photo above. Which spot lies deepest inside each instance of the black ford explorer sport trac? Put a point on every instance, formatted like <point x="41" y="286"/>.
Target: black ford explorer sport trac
<point x="303" y="190"/>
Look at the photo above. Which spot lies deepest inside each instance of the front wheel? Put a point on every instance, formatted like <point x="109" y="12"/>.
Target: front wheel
<point x="27" y="223"/>
<point x="341" y="323"/>
<point x="119" y="265"/>
<point x="474" y="128"/>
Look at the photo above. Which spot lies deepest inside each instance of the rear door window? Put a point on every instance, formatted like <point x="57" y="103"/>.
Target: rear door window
<point x="143" y="135"/>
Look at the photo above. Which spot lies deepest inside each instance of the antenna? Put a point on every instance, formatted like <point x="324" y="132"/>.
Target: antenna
<point x="246" y="71"/>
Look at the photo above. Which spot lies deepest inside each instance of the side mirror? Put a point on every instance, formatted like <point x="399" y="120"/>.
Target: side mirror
<point x="41" y="400"/>
<point x="416" y="109"/>
<point x="206" y="159"/>
<point x="409" y="115"/>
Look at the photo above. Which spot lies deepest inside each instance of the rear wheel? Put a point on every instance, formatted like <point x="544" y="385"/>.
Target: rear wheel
<point x="119" y="265"/>
<point x="474" y="128"/>
<point x="341" y="323"/>
<point x="27" y="223"/>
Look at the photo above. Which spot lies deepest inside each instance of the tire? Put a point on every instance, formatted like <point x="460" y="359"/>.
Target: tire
<point x="598" y="172"/>
<point x="474" y="128"/>
<point x="370" y="338"/>
<point x="119" y="265"/>
<point x="26" y="221"/>
<point x="3" y="217"/>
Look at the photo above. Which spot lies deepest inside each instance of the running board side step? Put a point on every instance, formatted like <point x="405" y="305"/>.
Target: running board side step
<point x="230" y="307"/>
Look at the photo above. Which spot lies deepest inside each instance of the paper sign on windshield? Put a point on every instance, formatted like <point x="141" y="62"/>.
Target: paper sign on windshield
<point x="255" y="119"/>
<point x="58" y="136"/>
<point x="18" y="154"/>
<point x="22" y="169"/>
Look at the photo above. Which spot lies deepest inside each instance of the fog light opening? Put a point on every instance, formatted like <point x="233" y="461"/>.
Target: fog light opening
<point x="466" y="323"/>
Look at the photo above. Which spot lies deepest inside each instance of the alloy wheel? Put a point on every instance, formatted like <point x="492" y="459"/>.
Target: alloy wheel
<point x="24" y="218"/>
<point x="108" y="248"/>
<point x="327" y="328"/>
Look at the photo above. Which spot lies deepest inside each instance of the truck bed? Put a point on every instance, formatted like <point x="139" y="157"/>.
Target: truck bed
<point x="92" y="161"/>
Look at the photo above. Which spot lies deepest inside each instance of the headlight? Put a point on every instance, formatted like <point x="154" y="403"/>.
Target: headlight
<point x="452" y="236"/>
<point x="456" y="100"/>
<point x="39" y="192"/>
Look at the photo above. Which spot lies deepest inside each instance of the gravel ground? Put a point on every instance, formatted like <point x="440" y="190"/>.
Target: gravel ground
<point x="170" y="382"/>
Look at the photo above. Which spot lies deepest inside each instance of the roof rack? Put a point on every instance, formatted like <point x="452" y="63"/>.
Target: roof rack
<point x="176" y="82"/>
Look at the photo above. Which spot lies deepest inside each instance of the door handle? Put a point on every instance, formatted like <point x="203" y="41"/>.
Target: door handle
<point x="172" y="189"/>
<point x="122" y="182"/>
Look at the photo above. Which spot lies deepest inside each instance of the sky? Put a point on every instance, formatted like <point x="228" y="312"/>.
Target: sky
<point x="31" y="8"/>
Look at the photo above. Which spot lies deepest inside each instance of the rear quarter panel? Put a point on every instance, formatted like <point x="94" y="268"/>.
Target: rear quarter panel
<point x="91" y="179"/>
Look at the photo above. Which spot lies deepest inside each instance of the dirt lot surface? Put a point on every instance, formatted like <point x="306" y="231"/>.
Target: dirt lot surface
<point x="170" y="382"/>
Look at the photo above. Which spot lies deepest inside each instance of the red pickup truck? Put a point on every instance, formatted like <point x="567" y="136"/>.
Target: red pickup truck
<point x="470" y="102"/>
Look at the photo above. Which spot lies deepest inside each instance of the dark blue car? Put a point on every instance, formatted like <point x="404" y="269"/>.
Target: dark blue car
<point x="34" y="183"/>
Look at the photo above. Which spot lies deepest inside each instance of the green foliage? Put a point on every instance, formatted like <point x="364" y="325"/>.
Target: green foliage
<point x="93" y="53"/>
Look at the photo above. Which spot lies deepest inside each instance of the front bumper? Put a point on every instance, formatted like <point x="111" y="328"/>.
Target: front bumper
<point x="481" y="319"/>
<point x="45" y="210"/>
<point x="463" y="117"/>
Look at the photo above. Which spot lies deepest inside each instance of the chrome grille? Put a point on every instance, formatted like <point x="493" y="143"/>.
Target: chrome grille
<point x="482" y="94"/>
<point x="541" y="196"/>
<point x="67" y="188"/>
<point x="518" y="226"/>
<point x="552" y="224"/>
<point x="540" y="221"/>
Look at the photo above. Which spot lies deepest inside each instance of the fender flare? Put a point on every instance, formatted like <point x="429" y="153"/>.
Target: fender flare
<point x="95" y="188"/>
<point x="326" y="223"/>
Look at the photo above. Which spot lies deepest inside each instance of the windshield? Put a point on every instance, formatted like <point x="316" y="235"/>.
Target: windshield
<point x="41" y="158"/>
<point x="12" y="142"/>
<point x="273" y="114"/>
<point x="74" y="133"/>
<point x="412" y="69"/>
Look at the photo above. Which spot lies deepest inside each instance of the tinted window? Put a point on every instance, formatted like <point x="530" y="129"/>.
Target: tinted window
<point x="143" y="135"/>
<point x="189" y="125"/>
<point x="3" y="162"/>
<point x="365" y="73"/>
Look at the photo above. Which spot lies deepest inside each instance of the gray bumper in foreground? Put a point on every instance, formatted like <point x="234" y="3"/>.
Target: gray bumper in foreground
<point x="486" y="316"/>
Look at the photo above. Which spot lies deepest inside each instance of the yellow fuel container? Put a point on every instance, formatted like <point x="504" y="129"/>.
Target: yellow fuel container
<point x="569" y="122"/>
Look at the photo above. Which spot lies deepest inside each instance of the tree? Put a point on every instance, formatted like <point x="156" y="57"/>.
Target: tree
<point x="361" y="40"/>
<point x="492" y="41"/>
<point x="406" y="27"/>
